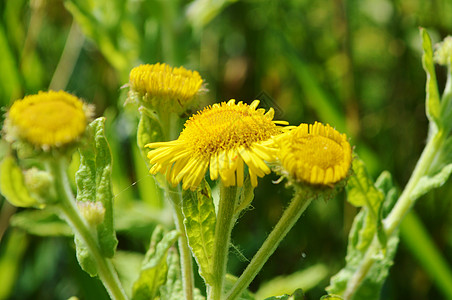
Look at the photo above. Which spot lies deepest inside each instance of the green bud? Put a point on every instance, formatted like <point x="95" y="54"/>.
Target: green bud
<point x="443" y="52"/>
<point x="39" y="184"/>
<point x="93" y="212"/>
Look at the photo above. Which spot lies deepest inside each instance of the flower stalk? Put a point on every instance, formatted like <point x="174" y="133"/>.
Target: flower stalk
<point x="223" y="229"/>
<point x="184" y="250"/>
<point x="290" y="216"/>
<point x="68" y="210"/>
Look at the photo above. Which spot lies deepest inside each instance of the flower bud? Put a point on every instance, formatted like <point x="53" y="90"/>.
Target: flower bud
<point x="93" y="212"/>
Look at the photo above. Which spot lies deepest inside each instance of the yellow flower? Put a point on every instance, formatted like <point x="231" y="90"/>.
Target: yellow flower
<point x="223" y="137"/>
<point x="47" y="119"/>
<point x="315" y="154"/>
<point x="164" y="87"/>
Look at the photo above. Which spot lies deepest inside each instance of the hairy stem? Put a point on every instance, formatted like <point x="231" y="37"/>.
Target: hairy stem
<point x="223" y="229"/>
<point x="184" y="250"/>
<point x="68" y="210"/>
<point x="290" y="216"/>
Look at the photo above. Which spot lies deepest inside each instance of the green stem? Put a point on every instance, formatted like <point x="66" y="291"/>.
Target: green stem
<point x="184" y="250"/>
<point x="407" y="199"/>
<point x="397" y="214"/>
<point x="223" y="229"/>
<point x="290" y="216"/>
<point x="68" y="210"/>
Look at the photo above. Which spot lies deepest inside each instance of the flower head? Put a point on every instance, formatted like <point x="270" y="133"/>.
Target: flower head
<point x="47" y="119"/>
<point x="223" y="137"/>
<point x="315" y="154"/>
<point x="163" y="86"/>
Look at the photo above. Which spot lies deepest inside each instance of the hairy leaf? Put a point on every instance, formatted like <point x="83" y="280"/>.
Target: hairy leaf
<point x="172" y="289"/>
<point x="200" y="220"/>
<point x="361" y="192"/>
<point x="154" y="267"/>
<point x="432" y="101"/>
<point x="367" y="226"/>
<point x="93" y="181"/>
<point x="427" y="183"/>
<point x="84" y="257"/>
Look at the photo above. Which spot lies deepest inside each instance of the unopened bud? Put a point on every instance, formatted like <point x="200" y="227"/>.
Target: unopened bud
<point x="443" y="52"/>
<point x="39" y="184"/>
<point x="93" y="212"/>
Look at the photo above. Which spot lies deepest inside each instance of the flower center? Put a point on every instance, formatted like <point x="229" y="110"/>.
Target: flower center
<point x="225" y="127"/>
<point x="318" y="151"/>
<point x="52" y="116"/>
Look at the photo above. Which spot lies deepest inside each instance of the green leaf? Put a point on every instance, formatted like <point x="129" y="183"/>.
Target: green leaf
<point x="200" y="220"/>
<point x="297" y="295"/>
<point x="172" y="289"/>
<point x="385" y="184"/>
<point x="154" y="267"/>
<point x="93" y="181"/>
<point x="432" y="101"/>
<point x="41" y="223"/>
<point x="429" y="182"/>
<point x="361" y="192"/>
<point x="371" y="285"/>
<point x="84" y="257"/>
<point x="366" y="226"/>
<point x="12" y="184"/>
<point x="128" y="266"/>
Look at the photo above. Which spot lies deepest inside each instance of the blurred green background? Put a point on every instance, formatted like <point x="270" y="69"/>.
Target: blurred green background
<point x="353" y="64"/>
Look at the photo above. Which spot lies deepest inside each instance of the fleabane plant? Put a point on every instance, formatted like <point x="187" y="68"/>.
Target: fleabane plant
<point x="228" y="146"/>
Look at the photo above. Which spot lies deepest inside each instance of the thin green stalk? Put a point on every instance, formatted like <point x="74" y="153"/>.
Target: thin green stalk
<point x="406" y="200"/>
<point x="184" y="250"/>
<point x="67" y="208"/>
<point x="223" y="229"/>
<point x="290" y="216"/>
